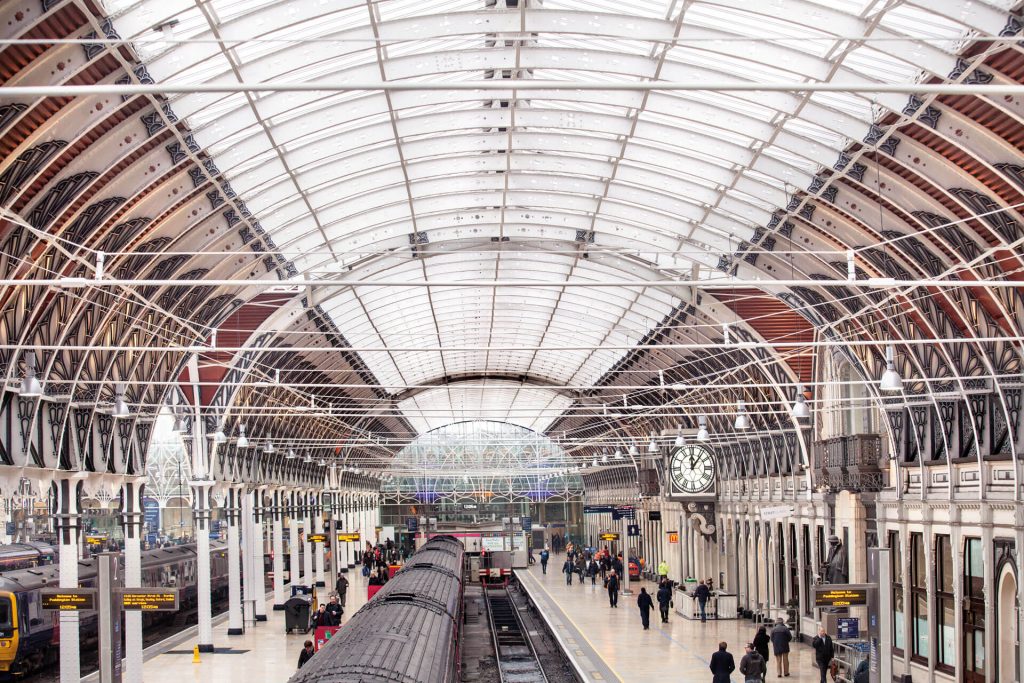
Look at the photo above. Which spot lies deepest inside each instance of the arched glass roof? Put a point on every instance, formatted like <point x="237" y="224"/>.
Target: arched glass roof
<point x="438" y="184"/>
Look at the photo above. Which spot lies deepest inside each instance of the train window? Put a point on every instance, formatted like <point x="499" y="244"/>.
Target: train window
<point x="6" y="617"/>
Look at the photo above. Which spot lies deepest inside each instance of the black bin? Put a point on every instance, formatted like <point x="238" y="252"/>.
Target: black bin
<point x="296" y="614"/>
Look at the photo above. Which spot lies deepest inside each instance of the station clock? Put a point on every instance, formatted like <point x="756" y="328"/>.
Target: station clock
<point x="692" y="471"/>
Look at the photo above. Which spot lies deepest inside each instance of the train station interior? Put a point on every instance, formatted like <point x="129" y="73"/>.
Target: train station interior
<point x="510" y="341"/>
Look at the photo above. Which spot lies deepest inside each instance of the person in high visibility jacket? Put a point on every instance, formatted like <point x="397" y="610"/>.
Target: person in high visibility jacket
<point x="662" y="570"/>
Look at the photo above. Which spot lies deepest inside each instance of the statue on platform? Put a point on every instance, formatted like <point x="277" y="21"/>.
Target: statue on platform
<point x="835" y="569"/>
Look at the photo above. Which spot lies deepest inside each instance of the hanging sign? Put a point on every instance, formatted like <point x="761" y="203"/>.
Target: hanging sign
<point x="67" y="599"/>
<point x="598" y="509"/>
<point x="348" y="538"/>
<point x="654" y="515"/>
<point x="149" y="599"/>
<point x="840" y="595"/>
<point x="633" y="530"/>
<point x="624" y="512"/>
<point x="316" y="538"/>
<point x="673" y="537"/>
<point x="609" y="537"/>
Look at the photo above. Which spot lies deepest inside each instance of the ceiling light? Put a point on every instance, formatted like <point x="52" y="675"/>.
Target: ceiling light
<point x="30" y="386"/>
<point x="800" y="408"/>
<point x="242" y="441"/>
<point x="652" y="447"/>
<point x="633" y="450"/>
<point x="322" y="462"/>
<point x="465" y="479"/>
<point x="120" y="406"/>
<point x="594" y="463"/>
<point x="679" y="436"/>
<point x="741" y="416"/>
<point x="269" y="448"/>
<point x="702" y="432"/>
<point x="178" y="426"/>
<point x="291" y="456"/>
<point x="891" y="380"/>
<point x="219" y="436"/>
<point x="604" y="459"/>
<point x="618" y="454"/>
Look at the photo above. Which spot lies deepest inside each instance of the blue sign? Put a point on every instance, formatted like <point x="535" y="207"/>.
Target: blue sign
<point x="412" y="524"/>
<point x="151" y="515"/>
<point x="624" y="512"/>
<point x="632" y="529"/>
<point x="848" y="628"/>
<point x="9" y="528"/>
<point x="598" y="509"/>
<point x="527" y="523"/>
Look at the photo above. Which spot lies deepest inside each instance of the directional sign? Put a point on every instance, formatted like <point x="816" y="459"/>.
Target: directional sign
<point x="840" y="595"/>
<point x="412" y="524"/>
<point x="633" y="530"/>
<point x="609" y="537"/>
<point x="624" y="512"/>
<point x="527" y="523"/>
<point x="654" y="515"/>
<point x="316" y="538"/>
<point x="776" y="511"/>
<point x="598" y="509"/>
<point x="348" y="538"/>
<point x="68" y="599"/>
<point x="149" y="599"/>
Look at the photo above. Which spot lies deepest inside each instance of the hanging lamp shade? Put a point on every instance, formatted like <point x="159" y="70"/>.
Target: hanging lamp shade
<point x="702" y="431"/>
<point x="891" y="380"/>
<point x="243" y="442"/>
<point x="633" y="450"/>
<point x="269" y="448"/>
<point x="219" y="436"/>
<point x="800" y="408"/>
<point x="120" y="405"/>
<point x="618" y="454"/>
<point x="742" y="422"/>
<point x="679" y="436"/>
<point x="30" y="386"/>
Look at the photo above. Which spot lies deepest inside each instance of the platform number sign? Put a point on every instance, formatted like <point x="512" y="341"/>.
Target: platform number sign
<point x="692" y="470"/>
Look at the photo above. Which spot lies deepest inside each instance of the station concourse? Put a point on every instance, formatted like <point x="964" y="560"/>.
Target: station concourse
<point x="413" y="296"/>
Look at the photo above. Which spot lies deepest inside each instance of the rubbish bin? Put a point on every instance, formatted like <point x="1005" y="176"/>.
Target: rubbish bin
<point x="296" y="614"/>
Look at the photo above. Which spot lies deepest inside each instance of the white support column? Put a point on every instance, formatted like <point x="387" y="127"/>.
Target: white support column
<point x="293" y="539"/>
<point x="318" y="527"/>
<point x="201" y="517"/>
<point x="346" y="548"/>
<point x="278" y="541"/>
<point x="131" y="524"/>
<point x="249" y="594"/>
<point x="991" y="591"/>
<point x="307" y="549"/>
<point x="256" y="556"/>
<point x="233" y="513"/>
<point x="67" y="501"/>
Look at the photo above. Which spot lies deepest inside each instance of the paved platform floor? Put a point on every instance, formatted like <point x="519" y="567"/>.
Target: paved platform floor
<point x="677" y="651"/>
<point x="263" y="654"/>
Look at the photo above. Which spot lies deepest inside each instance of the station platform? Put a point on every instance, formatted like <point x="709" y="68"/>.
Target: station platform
<point x="264" y="653"/>
<point x="610" y="644"/>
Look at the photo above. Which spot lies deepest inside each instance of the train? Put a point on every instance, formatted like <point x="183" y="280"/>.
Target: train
<point x="26" y="556"/>
<point x="29" y="637"/>
<point x="408" y="632"/>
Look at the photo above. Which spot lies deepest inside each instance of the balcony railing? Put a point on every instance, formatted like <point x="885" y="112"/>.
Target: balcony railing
<point x="850" y="463"/>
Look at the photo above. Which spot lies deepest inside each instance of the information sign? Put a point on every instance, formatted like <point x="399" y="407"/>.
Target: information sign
<point x="95" y="539"/>
<point x="624" y="512"/>
<point x="348" y="538"/>
<point x="609" y="537"/>
<point x="412" y="524"/>
<point x="673" y="537"/>
<point x="316" y="538"/>
<point x="149" y="599"/>
<point x="654" y="515"/>
<point x="68" y="599"/>
<point x="848" y="628"/>
<point x="840" y="596"/>
<point x="633" y="530"/>
<point x="527" y="523"/>
<point x="598" y="509"/>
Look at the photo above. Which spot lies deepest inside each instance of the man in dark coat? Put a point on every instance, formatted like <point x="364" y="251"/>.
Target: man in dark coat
<point x="613" y="589"/>
<point x="722" y="664"/>
<point x="781" y="638"/>
<point x="753" y="666"/>
<point x="568" y="569"/>
<point x="307" y="653"/>
<point x="824" y="651"/>
<point x="664" y="600"/>
<point x="644" y="602"/>
<point x="702" y="593"/>
<point x="341" y="587"/>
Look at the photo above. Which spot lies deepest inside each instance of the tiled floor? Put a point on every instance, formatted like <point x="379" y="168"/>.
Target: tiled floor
<point x="263" y="654"/>
<point x="677" y="651"/>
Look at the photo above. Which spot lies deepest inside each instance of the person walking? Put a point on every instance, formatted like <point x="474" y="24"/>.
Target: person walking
<point x="581" y="567"/>
<point x="307" y="653"/>
<point x="341" y="588"/>
<point x="702" y="593"/>
<point x="752" y="666"/>
<point x="781" y="638"/>
<point x="335" y="611"/>
<point x="544" y="557"/>
<point x="613" y="588"/>
<point x="662" y="571"/>
<point x="761" y="642"/>
<point x="664" y="600"/>
<point x="593" y="570"/>
<point x="824" y="651"/>
<point x="644" y="602"/>
<point x="568" y="569"/>
<point x="722" y="664"/>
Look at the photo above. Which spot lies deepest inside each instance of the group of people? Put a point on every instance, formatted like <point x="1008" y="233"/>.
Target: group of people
<point x="754" y="663"/>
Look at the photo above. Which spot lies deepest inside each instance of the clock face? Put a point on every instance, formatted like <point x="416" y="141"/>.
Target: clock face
<point x="692" y="469"/>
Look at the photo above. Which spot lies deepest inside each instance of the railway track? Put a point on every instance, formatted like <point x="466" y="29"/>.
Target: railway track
<point x="517" y="659"/>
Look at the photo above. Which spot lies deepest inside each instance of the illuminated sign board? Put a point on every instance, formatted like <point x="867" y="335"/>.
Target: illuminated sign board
<point x="95" y="540"/>
<point x="840" y="596"/>
<point x="348" y="538"/>
<point x="609" y="537"/>
<point x="68" y="599"/>
<point x="316" y="538"/>
<point x="673" y="537"/>
<point x="149" y="599"/>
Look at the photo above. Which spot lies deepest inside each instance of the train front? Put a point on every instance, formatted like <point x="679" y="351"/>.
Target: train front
<point x="8" y="631"/>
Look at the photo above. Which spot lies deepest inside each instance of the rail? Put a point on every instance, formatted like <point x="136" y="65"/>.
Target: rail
<point x="517" y="659"/>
